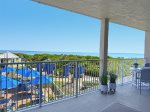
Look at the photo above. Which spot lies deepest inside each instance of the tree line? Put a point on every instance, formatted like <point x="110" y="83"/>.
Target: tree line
<point x="52" y="57"/>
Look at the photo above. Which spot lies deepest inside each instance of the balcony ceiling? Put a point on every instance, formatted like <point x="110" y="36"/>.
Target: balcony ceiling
<point x="133" y="13"/>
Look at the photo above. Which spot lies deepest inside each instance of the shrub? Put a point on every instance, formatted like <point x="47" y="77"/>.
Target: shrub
<point x="104" y="79"/>
<point x="112" y="77"/>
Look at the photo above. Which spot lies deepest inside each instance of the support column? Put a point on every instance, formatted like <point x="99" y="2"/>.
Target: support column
<point x="104" y="45"/>
<point x="147" y="47"/>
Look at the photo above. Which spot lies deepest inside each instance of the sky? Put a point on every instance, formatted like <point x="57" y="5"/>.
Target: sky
<point x="27" y="25"/>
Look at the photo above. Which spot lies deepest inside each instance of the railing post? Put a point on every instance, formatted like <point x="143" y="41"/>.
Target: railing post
<point x="6" y="85"/>
<point x="122" y="73"/>
<point x="76" y="75"/>
<point x="0" y="84"/>
<point x="40" y="92"/>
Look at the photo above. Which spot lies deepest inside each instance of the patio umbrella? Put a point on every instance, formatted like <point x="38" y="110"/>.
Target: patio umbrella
<point x="26" y="72"/>
<point x="49" y="68"/>
<point x="8" y="69"/>
<point x="45" y="80"/>
<point x="4" y="101"/>
<point x="65" y="71"/>
<point x="80" y="71"/>
<point x="38" y="67"/>
<point x="8" y="83"/>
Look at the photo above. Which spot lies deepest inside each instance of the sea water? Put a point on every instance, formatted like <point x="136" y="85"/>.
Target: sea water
<point x="115" y="55"/>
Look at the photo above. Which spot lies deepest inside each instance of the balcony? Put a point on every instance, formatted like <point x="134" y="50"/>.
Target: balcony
<point x="95" y="102"/>
<point x="34" y="84"/>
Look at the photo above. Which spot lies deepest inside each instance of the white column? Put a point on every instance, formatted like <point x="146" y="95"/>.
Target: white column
<point x="104" y="45"/>
<point x="147" y="47"/>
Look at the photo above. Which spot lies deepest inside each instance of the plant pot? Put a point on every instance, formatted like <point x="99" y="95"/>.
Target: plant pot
<point x="112" y="86"/>
<point x="135" y="65"/>
<point x="104" y="88"/>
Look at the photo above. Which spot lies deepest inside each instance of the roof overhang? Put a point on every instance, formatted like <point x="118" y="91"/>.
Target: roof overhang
<point x="133" y="13"/>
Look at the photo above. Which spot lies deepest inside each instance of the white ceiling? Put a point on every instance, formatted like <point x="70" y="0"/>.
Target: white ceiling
<point x="133" y="13"/>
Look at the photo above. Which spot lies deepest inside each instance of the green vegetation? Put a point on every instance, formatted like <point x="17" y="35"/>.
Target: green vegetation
<point x="92" y="69"/>
<point x="89" y="84"/>
<point x="43" y="57"/>
<point x="104" y="79"/>
<point x="119" y="66"/>
<point x="26" y="56"/>
<point x="51" y="97"/>
<point x="112" y="77"/>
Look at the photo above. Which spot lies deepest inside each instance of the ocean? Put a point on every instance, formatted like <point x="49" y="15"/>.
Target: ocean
<point x="115" y="55"/>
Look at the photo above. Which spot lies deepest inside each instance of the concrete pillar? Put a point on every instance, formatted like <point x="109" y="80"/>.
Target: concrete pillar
<point x="147" y="47"/>
<point x="104" y="45"/>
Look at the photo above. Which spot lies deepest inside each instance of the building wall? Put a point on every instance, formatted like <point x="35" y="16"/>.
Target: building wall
<point x="10" y="60"/>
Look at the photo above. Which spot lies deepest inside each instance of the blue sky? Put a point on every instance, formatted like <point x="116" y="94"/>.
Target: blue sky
<point x="26" y="25"/>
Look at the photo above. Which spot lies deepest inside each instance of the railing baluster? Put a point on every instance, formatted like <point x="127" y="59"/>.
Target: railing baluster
<point x="68" y="80"/>
<point x="72" y="67"/>
<point x="76" y="75"/>
<point x="6" y="85"/>
<point x="59" y="76"/>
<point x="40" y="92"/>
<point x="22" y="83"/>
<point x="122" y="74"/>
<point x="16" y="95"/>
<point x="85" y="73"/>
<point x="31" y="103"/>
<point x="49" y="73"/>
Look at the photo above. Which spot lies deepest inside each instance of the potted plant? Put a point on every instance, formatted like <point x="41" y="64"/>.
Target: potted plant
<point x="104" y="81"/>
<point x="135" y="65"/>
<point x="112" y="83"/>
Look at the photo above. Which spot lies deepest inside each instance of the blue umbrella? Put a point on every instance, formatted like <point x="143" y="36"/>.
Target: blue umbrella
<point x="26" y="72"/>
<point x="80" y="71"/>
<point x="65" y="71"/>
<point x="49" y="68"/>
<point x="38" y="67"/>
<point x="4" y="101"/>
<point x="8" y="69"/>
<point x="45" y="80"/>
<point x="11" y="83"/>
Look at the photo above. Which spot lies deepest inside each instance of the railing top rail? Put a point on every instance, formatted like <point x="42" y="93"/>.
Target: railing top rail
<point x="125" y="58"/>
<point x="38" y="62"/>
<point x="57" y="61"/>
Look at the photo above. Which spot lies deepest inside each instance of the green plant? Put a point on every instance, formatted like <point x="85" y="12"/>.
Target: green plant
<point x="136" y="65"/>
<point x="28" y="104"/>
<point x="104" y="79"/>
<point x="51" y="97"/>
<point x="112" y="77"/>
<point x="88" y="84"/>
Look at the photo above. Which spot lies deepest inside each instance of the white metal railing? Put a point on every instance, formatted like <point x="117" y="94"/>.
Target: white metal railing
<point x="122" y="67"/>
<point x="38" y="83"/>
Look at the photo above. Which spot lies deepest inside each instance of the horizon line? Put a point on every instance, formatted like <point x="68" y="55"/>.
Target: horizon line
<point x="69" y="51"/>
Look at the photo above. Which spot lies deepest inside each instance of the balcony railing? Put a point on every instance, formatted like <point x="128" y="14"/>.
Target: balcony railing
<point x="31" y="84"/>
<point x="122" y="67"/>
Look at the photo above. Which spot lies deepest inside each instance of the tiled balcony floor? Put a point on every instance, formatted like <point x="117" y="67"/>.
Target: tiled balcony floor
<point x="95" y="102"/>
